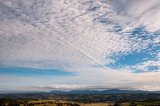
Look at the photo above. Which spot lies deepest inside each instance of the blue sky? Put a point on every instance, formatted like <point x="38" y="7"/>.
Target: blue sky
<point x="86" y="44"/>
<point x="34" y="72"/>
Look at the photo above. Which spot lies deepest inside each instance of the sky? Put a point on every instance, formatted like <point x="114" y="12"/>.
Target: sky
<point x="50" y="45"/>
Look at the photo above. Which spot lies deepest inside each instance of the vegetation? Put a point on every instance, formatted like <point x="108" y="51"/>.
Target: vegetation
<point x="51" y="99"/>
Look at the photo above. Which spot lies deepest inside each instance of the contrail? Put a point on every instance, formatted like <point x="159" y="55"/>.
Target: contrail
<point x="74" y="47"/>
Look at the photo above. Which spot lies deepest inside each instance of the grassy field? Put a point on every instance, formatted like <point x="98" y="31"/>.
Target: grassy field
<point x="65" y="103"/>
<point x="97" y="104"/>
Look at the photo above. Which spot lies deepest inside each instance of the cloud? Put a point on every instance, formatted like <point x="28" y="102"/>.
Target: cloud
<point x="147" y="66"/>
<point x="60" y="38"/>
<point x="80" y="36"/>
<point x="97" y="78"/>
<point x="132" y="14"/>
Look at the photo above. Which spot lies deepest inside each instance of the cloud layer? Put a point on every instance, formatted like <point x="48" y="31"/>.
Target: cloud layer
<point x="98" y="39"/>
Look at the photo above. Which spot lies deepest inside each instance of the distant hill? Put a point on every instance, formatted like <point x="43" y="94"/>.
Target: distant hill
<point x="87" y="96"/>
<point x="109" y="91"/>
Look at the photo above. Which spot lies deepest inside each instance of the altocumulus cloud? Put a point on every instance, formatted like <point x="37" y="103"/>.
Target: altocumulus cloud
<point x="107" y="44"/>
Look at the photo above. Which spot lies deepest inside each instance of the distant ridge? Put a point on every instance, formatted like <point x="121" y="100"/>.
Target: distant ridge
<point x="109" y="91"/>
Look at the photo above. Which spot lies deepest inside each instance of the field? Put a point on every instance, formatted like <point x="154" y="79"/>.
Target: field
<point x="68" y="103"/>
<point x="64" y="103"/>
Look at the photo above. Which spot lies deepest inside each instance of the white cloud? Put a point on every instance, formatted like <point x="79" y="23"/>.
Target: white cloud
<point x="89" y="78"/>
<point x="71" y="35"/>
<point x="136" y="13"/>
<point x="145" y="65"/>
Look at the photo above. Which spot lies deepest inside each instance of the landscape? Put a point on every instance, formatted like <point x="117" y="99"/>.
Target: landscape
<point x="112" y="97"/>
<point x="79" y="52"/>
